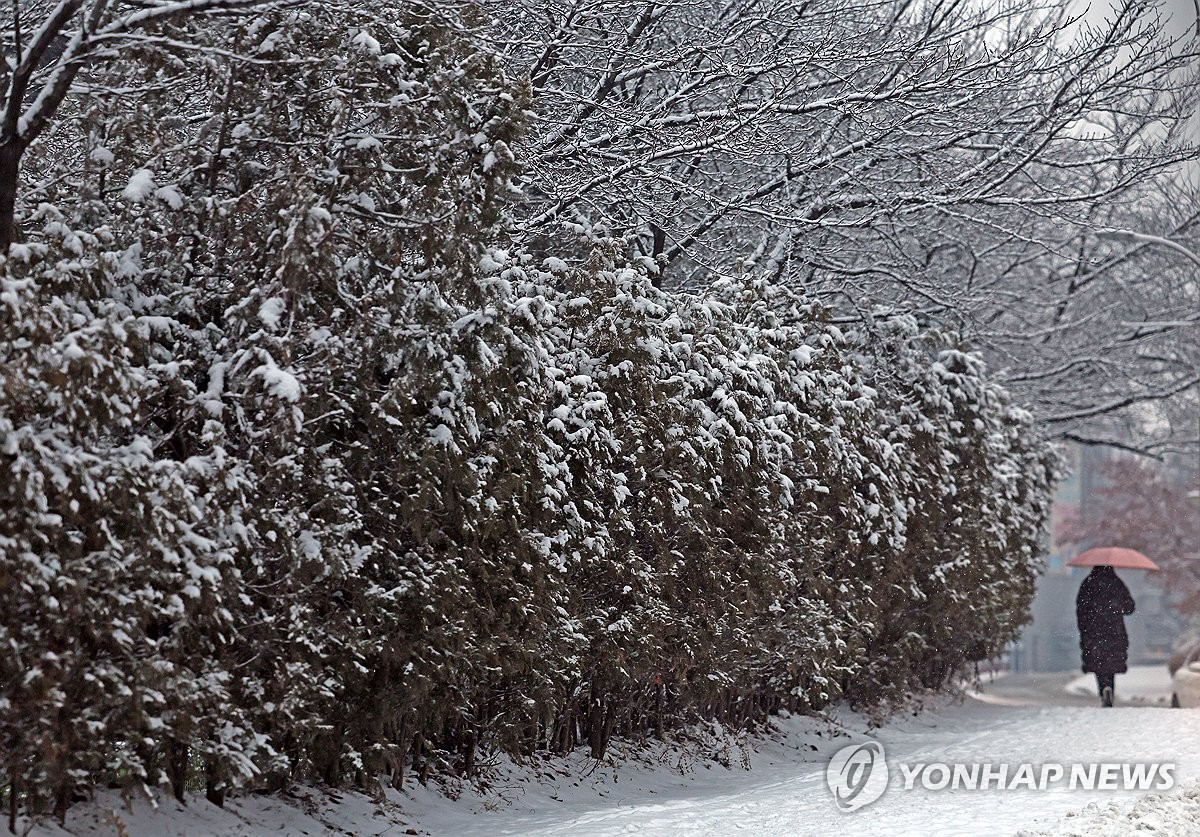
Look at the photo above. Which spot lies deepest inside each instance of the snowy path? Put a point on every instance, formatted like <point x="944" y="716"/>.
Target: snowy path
<point x="1021" y="720"/>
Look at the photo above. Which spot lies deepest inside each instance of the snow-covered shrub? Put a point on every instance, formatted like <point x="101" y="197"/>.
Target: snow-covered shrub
<point x="307" y="474"/>
<point x="976" y="490"/>
<point x="115" y="557"/>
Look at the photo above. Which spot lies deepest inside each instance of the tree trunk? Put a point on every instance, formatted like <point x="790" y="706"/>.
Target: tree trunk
<point x="595" y="722"/>
<point x="10" y="167"/>
<point x="404" y="739"/>
<point x="177" y="764"/>
<point x="659" y="709"/>
<point x="13" y="802"/>
<point x="427" y="761"/>
<point x="420" y="765"/>
<point x="214" y="788"/>
<point x="332" y="773"/>
<point x="469" y="756"/>
<point x="62" y="800"/>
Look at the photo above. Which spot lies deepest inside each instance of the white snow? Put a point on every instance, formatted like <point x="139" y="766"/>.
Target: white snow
<point x="170" y="196"/>
<point x="271" y="311"/>
<point x="785" y="793"/>
<point x="1141" y="684"/>
<point x="101" y="156"/>
<point x="140" y="186"/>
<point x="303" y="811"/>
<point x="493" y="261"/>
<point x="682" y="790"/>
<point x="279" y="382"/>
<point x="20" y="252"/>
<point x="1155" y="813"/>
<point x="365" y="42"/>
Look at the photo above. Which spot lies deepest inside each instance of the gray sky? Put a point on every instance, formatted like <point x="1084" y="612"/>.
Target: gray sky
<point x="1180" y="14"/>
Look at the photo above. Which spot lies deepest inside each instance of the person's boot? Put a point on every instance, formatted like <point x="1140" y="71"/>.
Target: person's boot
<point x="1106" y="696"/>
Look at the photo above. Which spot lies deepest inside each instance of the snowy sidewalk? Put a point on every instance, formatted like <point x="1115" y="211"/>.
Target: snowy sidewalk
<point x="784" y="795"/>
<point x="1017" y="719"/>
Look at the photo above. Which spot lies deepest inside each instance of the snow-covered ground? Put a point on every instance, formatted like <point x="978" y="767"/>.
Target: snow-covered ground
<point x="1153" y="814"/>
<point x="677" y="791"/>
<point x="1141" y="684"/>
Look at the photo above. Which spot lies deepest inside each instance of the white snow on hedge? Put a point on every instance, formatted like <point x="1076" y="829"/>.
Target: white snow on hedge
<point x="271" y="311"/>
<point x="141" y="185"/>
<point x="279" y="382"/>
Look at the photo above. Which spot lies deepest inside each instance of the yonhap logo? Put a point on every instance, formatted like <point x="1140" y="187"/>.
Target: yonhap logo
<point x="857" y="775"/>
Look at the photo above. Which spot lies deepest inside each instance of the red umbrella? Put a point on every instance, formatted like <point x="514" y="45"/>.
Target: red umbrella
<point x="1113" y="556"/>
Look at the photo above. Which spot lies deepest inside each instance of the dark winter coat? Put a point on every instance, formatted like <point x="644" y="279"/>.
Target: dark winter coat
<point x="1100" y="610"/>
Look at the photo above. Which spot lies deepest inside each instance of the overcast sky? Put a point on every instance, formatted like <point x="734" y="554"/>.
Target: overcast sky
<point x="1181" y="14"/>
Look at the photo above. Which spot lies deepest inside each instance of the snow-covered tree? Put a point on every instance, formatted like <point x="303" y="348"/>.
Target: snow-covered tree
<point x="1005" y="170"/>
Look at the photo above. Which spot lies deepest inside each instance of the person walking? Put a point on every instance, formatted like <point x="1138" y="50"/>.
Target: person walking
<point x="1100" y="610"/>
